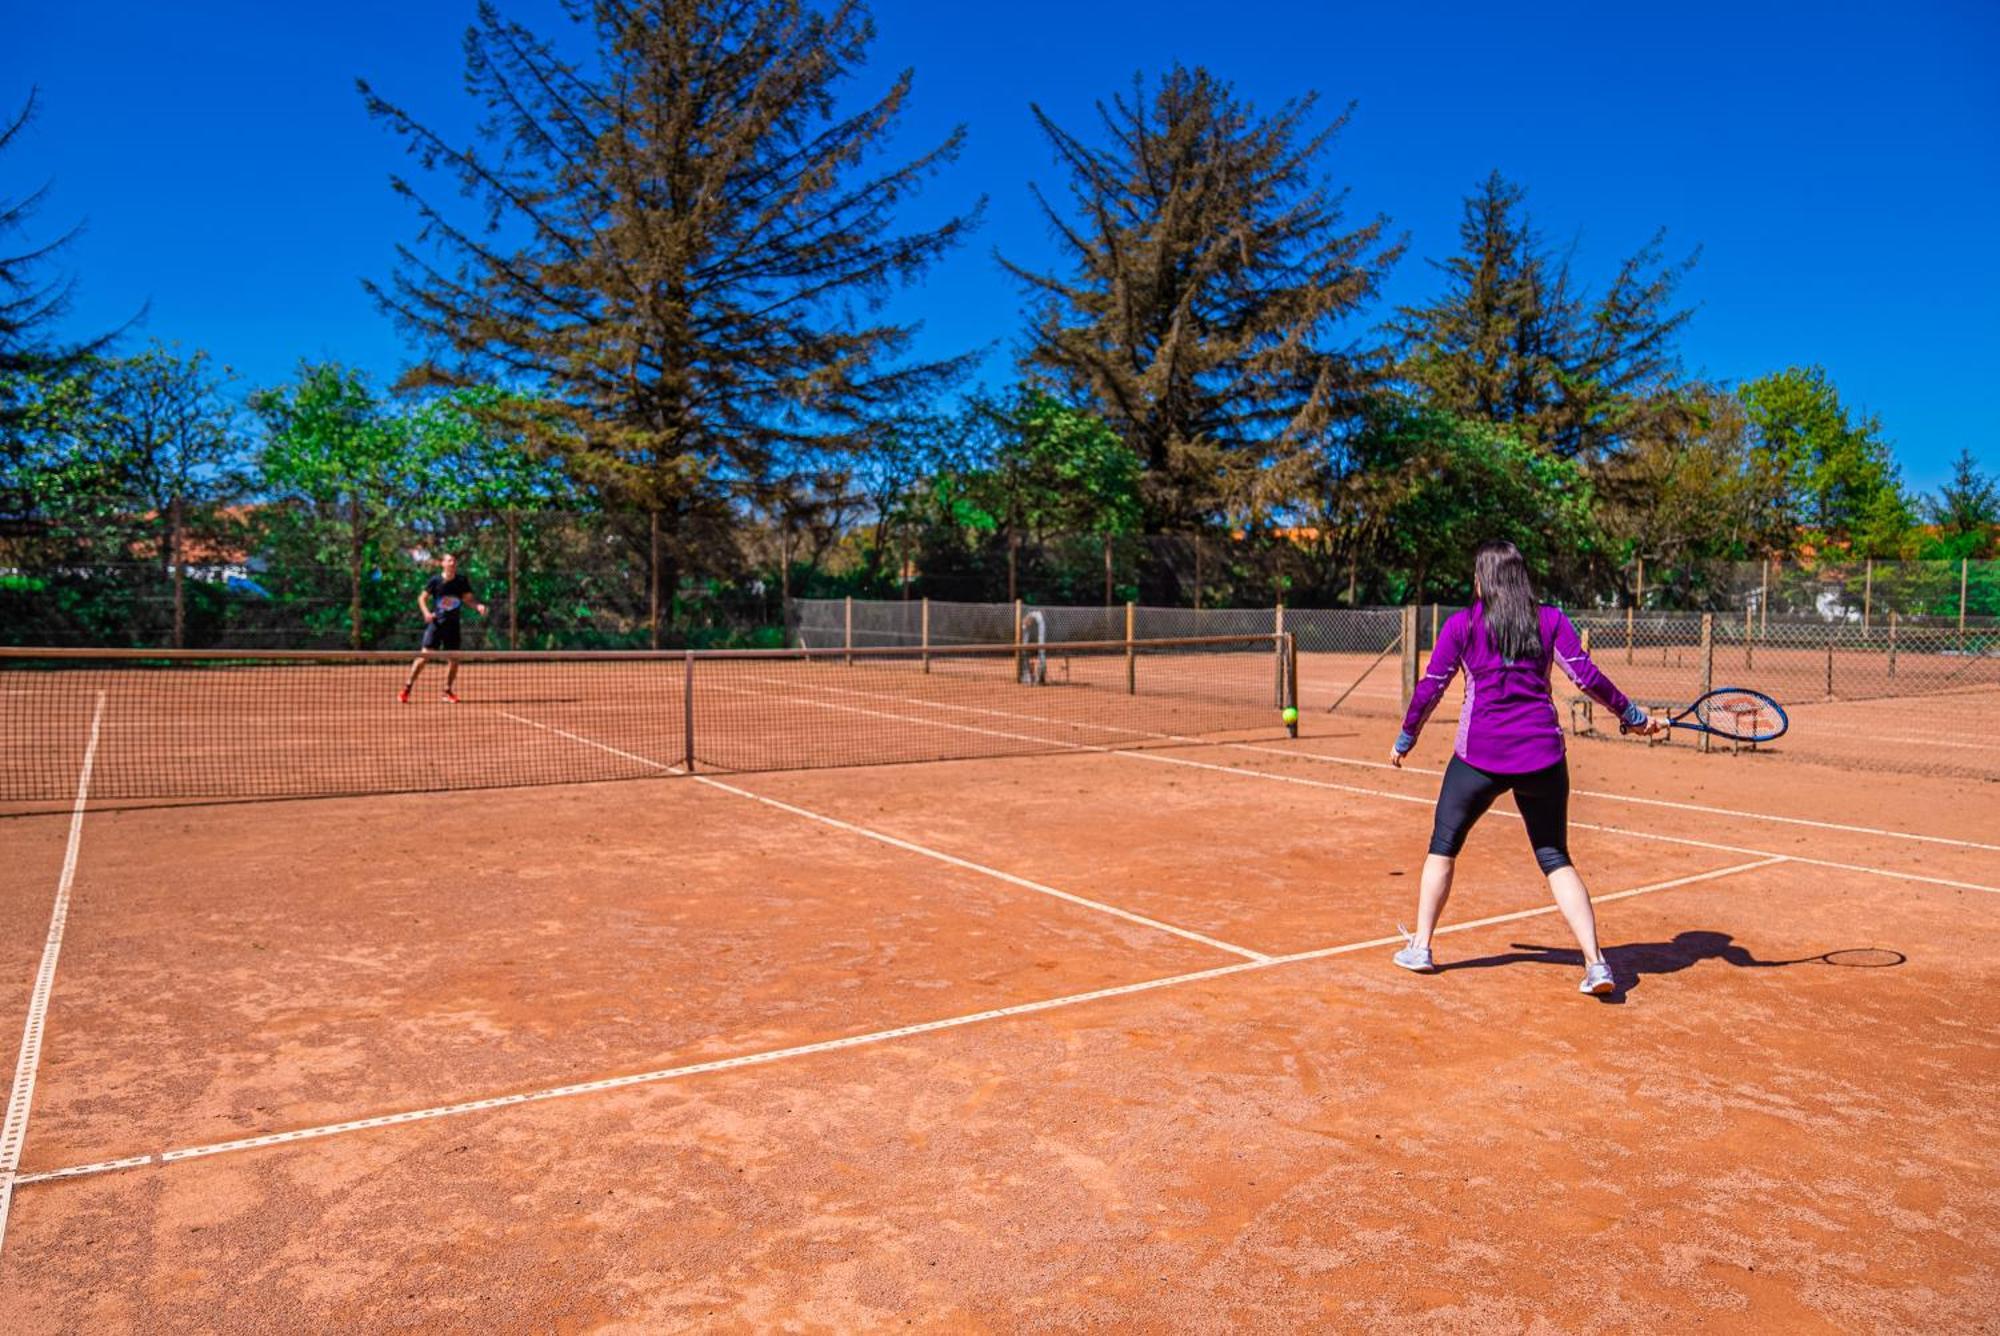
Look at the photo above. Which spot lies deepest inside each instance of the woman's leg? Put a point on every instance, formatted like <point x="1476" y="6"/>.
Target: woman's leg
<point x="1432" y="894"/>
<point x="1544" y="802"/>
<point x="1463" y="797"/>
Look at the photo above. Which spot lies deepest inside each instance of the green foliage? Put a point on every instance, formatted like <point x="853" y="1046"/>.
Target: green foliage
<point x="1840" y="483"/>
<point x="1440" y="485"/>
<point x="1966" y="511"/>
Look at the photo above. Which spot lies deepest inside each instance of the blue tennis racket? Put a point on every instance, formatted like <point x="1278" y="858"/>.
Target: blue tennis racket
<point x="1735" y="713"/>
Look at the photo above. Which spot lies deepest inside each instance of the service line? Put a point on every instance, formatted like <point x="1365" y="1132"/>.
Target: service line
<point x="664" y="1074"/>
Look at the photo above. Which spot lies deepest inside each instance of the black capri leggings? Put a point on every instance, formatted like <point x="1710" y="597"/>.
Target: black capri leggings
<point x="1542" y="796"/>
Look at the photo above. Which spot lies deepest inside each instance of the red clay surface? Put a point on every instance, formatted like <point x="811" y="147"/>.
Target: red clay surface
<point x="1747" y="1138"/>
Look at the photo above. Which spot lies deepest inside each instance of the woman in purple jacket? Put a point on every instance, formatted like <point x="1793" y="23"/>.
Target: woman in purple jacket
<point x="1509" y="739"/>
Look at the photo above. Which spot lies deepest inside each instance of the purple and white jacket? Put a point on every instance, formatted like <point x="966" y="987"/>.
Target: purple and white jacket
<point x="1509" y="724"/>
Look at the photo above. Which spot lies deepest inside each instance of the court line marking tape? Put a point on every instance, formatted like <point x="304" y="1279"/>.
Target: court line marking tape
<point x="924" y="851"/>
<point x="1327" y="759"/>
<point x="664" y="1074"/>
<point x="1159" y="758"/>
<point x="21" y="1098"/>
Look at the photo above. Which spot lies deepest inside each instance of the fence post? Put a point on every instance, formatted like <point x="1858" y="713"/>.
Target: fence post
<point x="1707" y="661"/>
<point x="1964" y="567"/>
<point x="847" y="630"/>
<point x="925" y="634"/>
<point x="1892" y="642"/>
<point x="1107" y="570"/>
<point x="653" y="581"/>
<point x="1409" y="668"/>
<point x="1867" y="592"/>
<point x="1434" y="626"/>
<point x="1764" y="599"/>
<point x="1749" y="632"/>
<point x="1131" y="654"/>
<point x="1628" y="635"/>
<point x="513" y="578"/>
<point x="1278" y="630"/>
<point x="177" y="560"/>
<point x="687" y="712"/>
<point x="1288" y="649"/>
<point x="1829" y="662"/>
<point x="1017" y="640"/>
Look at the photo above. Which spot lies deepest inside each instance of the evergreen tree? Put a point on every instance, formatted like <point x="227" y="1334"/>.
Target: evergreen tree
<point x="681" y="248"/>
<point x="1516" y="340"/>
<point x="1207" y="270"/>
<point x="1966" y="510"/>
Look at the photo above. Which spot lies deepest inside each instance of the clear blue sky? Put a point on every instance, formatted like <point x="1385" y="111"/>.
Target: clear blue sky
<point x="1835" y="162"/>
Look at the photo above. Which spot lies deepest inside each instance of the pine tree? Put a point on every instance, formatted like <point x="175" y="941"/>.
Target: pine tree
<point x="683" y="244"/>
<point x="1966" y="510"/>
<point x="1516" y="340"/>
<point x="1206" y="272"/>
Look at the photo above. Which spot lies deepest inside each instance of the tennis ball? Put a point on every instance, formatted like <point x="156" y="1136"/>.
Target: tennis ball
<point x="1291" y="715"/>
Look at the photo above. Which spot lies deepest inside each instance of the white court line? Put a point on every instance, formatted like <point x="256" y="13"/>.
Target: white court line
<point x="1326" y="759"/>
<point x="881" y="838"/>
<point x="1160" y="758"/>
<point x="177" y="1155"/>
<point x="20" y="1101"/>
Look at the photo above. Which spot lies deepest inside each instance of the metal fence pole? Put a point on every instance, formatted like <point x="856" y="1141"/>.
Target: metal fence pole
<point x="1017" y="640"/>
<point x="1964" y="568"/>
<point x="1829" y="663"/>
<point x="1288" y="650"/>
<point x="1867" y="593"/>
<point x="687" y="713"/>
<point x="1628" y="635"/>
<point x="1749" y="631"/>
<point x="1131" y="654"/>
<point x="1707" y="661"/>
<point x="1278" y="630"/>
<point x="847" y="630"/>
<point x="925" y="634"/>
<point x="1892" y="642"/>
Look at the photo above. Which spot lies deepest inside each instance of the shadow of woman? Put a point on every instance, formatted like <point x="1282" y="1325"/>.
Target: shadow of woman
<point x="1633" y="961"/>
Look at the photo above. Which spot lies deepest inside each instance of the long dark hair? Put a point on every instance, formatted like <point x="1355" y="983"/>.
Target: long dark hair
<point x="1513" y="614"/>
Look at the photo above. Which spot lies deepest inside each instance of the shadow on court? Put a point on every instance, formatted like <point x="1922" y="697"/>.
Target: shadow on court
<point x="1633" y="961"/>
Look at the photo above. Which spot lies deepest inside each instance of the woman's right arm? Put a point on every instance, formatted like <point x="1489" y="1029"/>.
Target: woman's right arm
<point x="1445" y="658"/>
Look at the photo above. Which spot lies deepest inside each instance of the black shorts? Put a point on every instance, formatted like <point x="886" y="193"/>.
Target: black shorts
<point x="1541" y="795"/>
<point x="441" y="634"/>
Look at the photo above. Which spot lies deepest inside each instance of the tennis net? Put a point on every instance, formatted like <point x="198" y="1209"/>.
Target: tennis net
<point x="230" y="725"/>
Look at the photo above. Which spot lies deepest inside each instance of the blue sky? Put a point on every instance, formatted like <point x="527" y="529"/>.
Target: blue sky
<point x="1835" y="162"/>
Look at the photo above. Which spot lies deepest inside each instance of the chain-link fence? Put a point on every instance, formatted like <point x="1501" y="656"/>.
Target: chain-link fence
<point x="1916" y="694"/>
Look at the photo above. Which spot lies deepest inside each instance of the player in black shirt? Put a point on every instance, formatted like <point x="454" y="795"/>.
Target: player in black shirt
<point x="443" y="598"/>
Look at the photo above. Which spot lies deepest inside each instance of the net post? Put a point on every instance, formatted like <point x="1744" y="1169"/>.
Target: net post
<point x="925" y="634"/>
<point x="1131" y="655"/>
<point x="1408" y="671"/>
<point x="687" y="713"/>
<point x="1707" y="662"/>
<point x="1892" y="642"/>
<point x="847" y="629"/>
<point x="1288" y="659"/>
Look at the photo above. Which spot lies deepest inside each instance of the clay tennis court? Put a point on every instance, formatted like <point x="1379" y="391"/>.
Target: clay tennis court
<point x="1101" y="1034"/>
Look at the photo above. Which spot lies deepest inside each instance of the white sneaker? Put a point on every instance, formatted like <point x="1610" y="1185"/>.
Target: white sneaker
<point x="1597" y="980"/>
<point x="1414" y="958"/>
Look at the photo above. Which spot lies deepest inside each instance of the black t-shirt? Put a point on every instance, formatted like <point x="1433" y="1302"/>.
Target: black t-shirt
<point x="446" y="595"/>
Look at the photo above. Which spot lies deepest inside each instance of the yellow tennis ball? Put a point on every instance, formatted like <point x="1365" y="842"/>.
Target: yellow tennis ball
<point x="1291" y="715"/>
